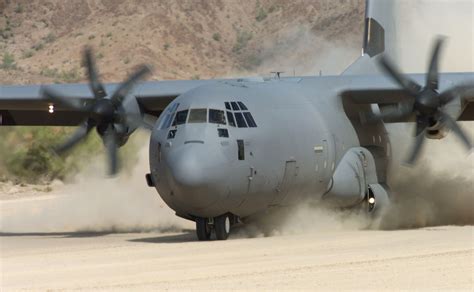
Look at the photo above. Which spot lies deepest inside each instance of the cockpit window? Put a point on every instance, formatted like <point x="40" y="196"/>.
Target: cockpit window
<point x="227" y="105"/>
<point x="242" y="106"/>
<point x="180" y="117"/>
<point x="240" y="120"/>
<point x="169" y="116"/>
<point x="230" y="118"/>
<point x="198" y="115"/>
<point x="235" y="107"/>
<point x="250" y="120"/>
<point x="216" y="116"/>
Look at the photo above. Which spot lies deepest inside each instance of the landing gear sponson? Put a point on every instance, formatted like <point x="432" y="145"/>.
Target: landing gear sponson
<point x="221" y="226"/>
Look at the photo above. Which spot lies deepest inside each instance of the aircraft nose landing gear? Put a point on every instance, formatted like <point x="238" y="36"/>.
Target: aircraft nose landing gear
<point x="203" y="229"/>
<point x="221" y="226"/>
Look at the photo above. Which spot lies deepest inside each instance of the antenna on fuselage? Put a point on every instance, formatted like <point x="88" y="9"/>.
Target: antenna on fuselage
<point x="277" y="74"/>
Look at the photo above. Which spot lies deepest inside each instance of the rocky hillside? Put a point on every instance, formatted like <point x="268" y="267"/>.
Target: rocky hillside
<point x="42" y="40"/>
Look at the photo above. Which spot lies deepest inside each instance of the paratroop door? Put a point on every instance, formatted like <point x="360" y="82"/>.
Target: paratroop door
<point x="288" y="181"/>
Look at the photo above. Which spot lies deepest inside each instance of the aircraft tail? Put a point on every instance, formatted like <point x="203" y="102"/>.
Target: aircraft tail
<point x="379" y="36"/>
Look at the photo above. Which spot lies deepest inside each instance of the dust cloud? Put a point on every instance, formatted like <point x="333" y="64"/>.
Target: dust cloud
<point x="300" y="51"/>
<point x="439" y="189"/>
<point x="453" y="19"/>
<point x="95" y="204"/>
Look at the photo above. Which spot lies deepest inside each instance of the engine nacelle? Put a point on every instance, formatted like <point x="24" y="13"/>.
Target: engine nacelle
<point x="436" y="131"/>
<point x="350" y="181"/>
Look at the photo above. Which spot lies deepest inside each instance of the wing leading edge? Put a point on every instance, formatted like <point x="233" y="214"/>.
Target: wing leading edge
<point x="25" y="104"/>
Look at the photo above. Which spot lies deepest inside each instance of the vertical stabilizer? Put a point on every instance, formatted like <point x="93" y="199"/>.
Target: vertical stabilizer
<point x="405" y="31"/>
<point x="379" y="35"/>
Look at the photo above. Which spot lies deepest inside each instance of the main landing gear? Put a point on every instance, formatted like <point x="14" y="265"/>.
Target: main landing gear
<point x="221" y="226"/>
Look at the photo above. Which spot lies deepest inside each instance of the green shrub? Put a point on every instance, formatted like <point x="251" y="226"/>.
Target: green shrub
<point x="37" y="47"/>
<point x="67" y="76"/>
<point x="261" y="14"/>
<point x="8" y="62"/>
<point x="27" y="54"/>
<point x="27" y="153"/>
<point x="251" y="62"/>
<point x="243" y="37"/>
<point x="19" y="8"/>
<point x="49" y="38"/>
<point x="216" y="36"/>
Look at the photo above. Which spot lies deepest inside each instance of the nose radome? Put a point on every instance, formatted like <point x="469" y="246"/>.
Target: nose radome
<point x="186" y="169"/>
<point x="193" y="184"/>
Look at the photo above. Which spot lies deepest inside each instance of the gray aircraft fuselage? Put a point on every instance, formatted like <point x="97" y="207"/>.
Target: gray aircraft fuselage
<point x="302" y="133"/>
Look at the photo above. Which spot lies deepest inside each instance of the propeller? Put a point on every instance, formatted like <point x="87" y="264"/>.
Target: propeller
<point x="426" y="102"/>
<point x="107" y="113"/>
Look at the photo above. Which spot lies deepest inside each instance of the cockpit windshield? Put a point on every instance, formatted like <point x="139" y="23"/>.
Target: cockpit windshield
<point x="198" y="115"/>
<point x="180" y="118"/>
<point x="216" y="116"/>
<point x="241" y="118"/>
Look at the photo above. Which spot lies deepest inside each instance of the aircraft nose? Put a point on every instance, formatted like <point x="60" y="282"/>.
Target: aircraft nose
<point x="193" y="178"/>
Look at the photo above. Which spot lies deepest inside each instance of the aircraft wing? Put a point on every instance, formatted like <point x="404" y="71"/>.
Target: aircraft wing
<point x="376" y="94"/>
<point x="25" y="104"/>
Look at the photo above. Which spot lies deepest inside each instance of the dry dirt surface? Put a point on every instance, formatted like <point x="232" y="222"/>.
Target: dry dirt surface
<point x="180" y="39"/>
<point x="426" y="259"/>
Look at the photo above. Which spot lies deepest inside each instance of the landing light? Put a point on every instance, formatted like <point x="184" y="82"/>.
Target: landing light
<point x="51" y="109"/>
<point x="372" y="200"/>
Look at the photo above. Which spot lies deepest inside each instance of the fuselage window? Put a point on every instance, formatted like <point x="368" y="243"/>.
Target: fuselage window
<point x="250" y="120"/>
<point x="235" y="107"/>
<point x="216" y="116"/>
<point x="180" y="118"/>
<point x="223" y="133"/>
<point x="240" y="120"/>
<point x="198" y="115"/>
<point x="230" y="118"/>
<point x="227" y="105"/>
<point x="242" y="106"/>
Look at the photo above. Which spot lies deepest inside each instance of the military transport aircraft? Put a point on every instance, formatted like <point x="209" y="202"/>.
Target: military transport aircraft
<point x="224" y="150"/>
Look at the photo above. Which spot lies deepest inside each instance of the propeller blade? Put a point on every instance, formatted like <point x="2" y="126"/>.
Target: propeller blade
<point x="56" y="97"/>
<point x="76" y="137"/>
<point x="124" y="88"/>
<point x="406" y="83"/>
<point x="459" y="91"/>
<point x="453" y="125"/>
<point x="419" y="139"/>
<point x="432" y="78"/>
<point x="94" y="83"/>
<point x="110" y="141"/>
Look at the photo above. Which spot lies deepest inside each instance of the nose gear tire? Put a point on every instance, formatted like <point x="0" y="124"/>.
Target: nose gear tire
<point x="203" y="230"/>
<point x="222" y="227"/>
